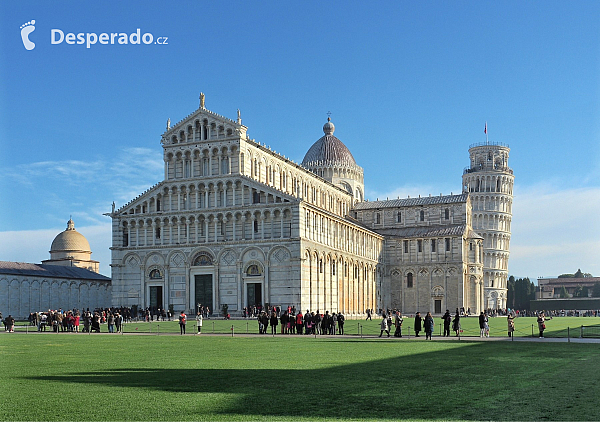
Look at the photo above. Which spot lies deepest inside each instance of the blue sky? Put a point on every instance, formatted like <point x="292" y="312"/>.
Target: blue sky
<point x="409" y="85"/>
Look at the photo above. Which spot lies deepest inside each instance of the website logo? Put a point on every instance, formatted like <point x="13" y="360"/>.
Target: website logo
<point x="26" y="29"/>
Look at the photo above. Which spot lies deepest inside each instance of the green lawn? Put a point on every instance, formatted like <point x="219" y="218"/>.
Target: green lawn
<point x="101" y="377"/>
<point x="557" y="327"/>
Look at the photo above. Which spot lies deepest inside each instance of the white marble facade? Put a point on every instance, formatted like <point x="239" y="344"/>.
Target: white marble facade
<point x="234" y="222"/>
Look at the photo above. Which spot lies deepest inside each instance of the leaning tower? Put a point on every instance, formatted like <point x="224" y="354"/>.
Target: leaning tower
<point x="489" y="182"/>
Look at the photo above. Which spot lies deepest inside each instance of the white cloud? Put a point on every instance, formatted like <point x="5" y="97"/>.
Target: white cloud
<point x="555" y="231"/>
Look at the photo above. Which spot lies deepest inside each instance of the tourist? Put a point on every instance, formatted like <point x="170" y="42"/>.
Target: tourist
<point x="428" y="325"/>
<point x="341" y="319"/>
<point x="447" y="318"/>
<point x="511" y="324"/>
<point x="418" y="324"/>
<point x="456" y="323"/>
<point x="486" y="325"/>
<point x="541" y="321"/>
<point x="274" y="323"/>
<point x="398" y="323"/>
<point x="182" y="322"/>
<point x="333" y="327"/>
<point x="299" y="322"/>
<point x="199" y="322"/>
<point x="368" y="315"/>
<point x="384" y="326"/>
<point x="481" y="324"/>
<point x="111" y="322"/>
<point x="9" y="324"/>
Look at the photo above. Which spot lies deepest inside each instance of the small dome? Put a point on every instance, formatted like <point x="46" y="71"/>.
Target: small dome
<point x="70" y="240"/>
<point x="328" y="150"/>
<point x="329" y="127"/>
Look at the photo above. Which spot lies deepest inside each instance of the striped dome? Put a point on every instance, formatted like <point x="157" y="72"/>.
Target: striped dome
<point x="328" y="150"/>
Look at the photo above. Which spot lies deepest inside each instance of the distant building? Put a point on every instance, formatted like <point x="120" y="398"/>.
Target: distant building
<point x="550" y="288"/>
<point x="69" y="279"/>
<point x="235" y="223"/>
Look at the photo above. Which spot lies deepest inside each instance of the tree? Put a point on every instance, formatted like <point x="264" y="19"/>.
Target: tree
<point x="578" y="291"/>
<point x="585" y="292"/>
<point x="596" y="289"/>
<point x="510" y="294"/>
<point x="563" y="293"/>
<point x="520" y="292"/>
<point x="578" y="274"/>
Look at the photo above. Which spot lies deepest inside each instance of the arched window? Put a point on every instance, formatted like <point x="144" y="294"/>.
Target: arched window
<point x="447" y="214"/>
<point x="399" y="218"/>
<point x="409" y="280"/>
<point x="378" y="218"/>
<point x="203" y="259"/>
<point x="253" y="271"/>
<point x="422" y="215"/>
<point x="155" y="274"/>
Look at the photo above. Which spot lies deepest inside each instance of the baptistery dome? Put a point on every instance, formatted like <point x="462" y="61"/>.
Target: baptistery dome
<point x="71" y="248"/>
<point x="70" y="241"/>
<point x="328" y="150"/>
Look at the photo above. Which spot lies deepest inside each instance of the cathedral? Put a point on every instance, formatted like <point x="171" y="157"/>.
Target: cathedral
<point x="235" y="223"/>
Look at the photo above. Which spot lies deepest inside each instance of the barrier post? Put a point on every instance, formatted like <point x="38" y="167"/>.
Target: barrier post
<point x="531" y="330"/>
<point x="568" y="335"/>
<point x="157" y="329"/>
<point x="231" y="330"/>
<point x="246" y="327"/>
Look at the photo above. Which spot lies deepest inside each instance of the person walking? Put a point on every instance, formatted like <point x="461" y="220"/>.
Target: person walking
<point x="447" y="318"/>
<point x="428" y="325"/>
<point x="384" y="326"/>
<point x="341" y="320"/>
<point x="398" y="323"/>
<point x="9" y="324"/>
<point x="511" y="324"/>
<point x="182" y="322"/>
<point x="418" y="324"/>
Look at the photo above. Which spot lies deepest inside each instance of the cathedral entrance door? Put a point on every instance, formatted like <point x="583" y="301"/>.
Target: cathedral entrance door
<point x="438" y="306"/>
<point x="204" y="290"/>
<point x="156" y="297"/>
<point x="254" y="293"/>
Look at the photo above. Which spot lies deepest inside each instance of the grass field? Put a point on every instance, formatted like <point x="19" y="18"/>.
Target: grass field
<point x="557" y="327"/>
<point x="113" y="377"/>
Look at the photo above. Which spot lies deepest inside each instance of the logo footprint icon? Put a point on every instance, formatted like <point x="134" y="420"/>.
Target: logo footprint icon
<point x="26" y="29"/>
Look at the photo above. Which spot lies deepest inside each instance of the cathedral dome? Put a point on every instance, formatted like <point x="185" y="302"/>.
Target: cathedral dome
<point x="70" y="240"/>
<point x="328" y="150"/>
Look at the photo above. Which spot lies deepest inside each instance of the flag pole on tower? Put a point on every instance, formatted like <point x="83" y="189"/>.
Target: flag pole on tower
<point x="486" y="134"/>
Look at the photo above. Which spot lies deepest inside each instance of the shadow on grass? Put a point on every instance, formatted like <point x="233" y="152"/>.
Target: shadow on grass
<point x="479" y="381"/>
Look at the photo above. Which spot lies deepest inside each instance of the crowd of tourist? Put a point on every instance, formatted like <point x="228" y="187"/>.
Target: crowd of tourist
<point x="292" y="322"/>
